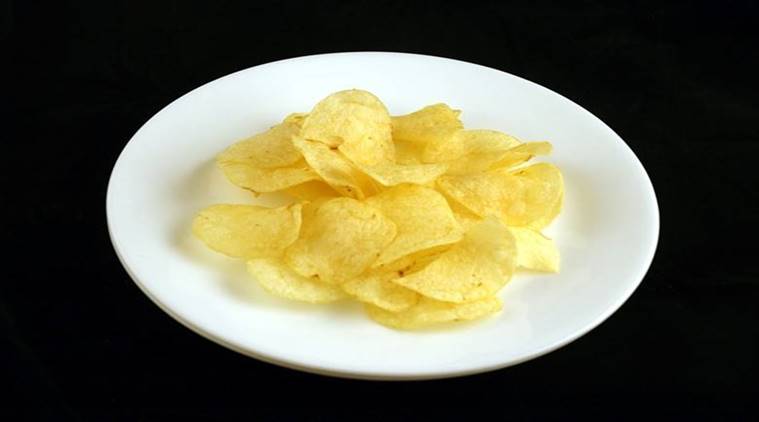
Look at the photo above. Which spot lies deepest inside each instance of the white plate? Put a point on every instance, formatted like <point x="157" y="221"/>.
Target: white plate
<point x="607" y="232"/>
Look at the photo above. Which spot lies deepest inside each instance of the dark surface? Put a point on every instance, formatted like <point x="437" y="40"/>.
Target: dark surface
<point x="677" y="82"/>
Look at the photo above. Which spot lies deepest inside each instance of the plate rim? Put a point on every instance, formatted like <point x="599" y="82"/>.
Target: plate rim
<point x="380" y="375"/>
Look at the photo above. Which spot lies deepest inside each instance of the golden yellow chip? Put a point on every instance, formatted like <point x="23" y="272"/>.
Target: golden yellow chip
<point x="523" y="152"/>
<point x="430" y="125"/>
<point x="267" y="150"/>
<point x="429" y="312"/>
<point x="267" y="180"/>
<point x="376" y="287"/>
<point x="422" y="217"/>
<point x="296" y="119"/>
<point x="470" y="151"/>
<point x="535" y="251"/>
<point x="335" y="169"/>
<point x="267" y="162"/>
<point x="465" y="218"/>
<point x="476" y="267"/>
<point x="281" y="281"/>
<point x="545" y="187"/>
<point x="312" y="190"/>
<point x="414" y="262"/>
<point x="340" y="241"/>
<point x="407" y="153"/>
<point x="391" y="174"/>
<point x="308" y="211"/>
<point x="356" y="122"/>
<point x="358" y="125"/>
<point x="529" y="196"/>
<point x="248" y="231"/>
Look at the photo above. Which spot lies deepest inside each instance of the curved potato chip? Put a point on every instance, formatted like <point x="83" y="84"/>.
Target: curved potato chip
<point x="529" y="196"/>
<point x="308" y="211"/>
<point x="535" y="251"/>
<point x="340" y="241"/>
<point x="312" y="190"/>
<point x="414" y="262"/>
<point x="476" y="267"/>
<point x="356" y="122"/>
<point x="296" y="119"/>
<point x="407" y="152"/>
<point x="483" y="150"/>
<point x="335" y="169"/>
<point x="545" y="186"/>
<point x="257" y="179"/>
<point x="422" y="217"/>
<point x="521" y="153"/>
<point x="463" y="215"/>
<point x="465" y="218"/>
<point x="266" y="150"/>
<point x="248" y="231"/>
<point x="281" y="281"/>
<point x="428" y="312"/>
<point x="376" y="287"/>
<point x="470" y="151"/>
<point x="427" y="126"/>
<point x="391" y="174"/>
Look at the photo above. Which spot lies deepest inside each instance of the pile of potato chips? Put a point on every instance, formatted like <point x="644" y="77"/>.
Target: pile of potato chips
<point x="418" y="218"/>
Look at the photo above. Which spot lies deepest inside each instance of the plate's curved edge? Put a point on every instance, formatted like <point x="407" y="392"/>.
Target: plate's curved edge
<point x="385" y="376"/>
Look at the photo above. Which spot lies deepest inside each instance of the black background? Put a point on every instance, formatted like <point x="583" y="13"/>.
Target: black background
<point x="676" y="81"/>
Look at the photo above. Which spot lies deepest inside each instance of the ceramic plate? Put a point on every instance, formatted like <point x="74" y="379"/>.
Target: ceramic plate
<point x="607" y="232"/>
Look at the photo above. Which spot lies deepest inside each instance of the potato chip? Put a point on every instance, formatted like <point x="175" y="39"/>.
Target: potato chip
<point x="356" y="122"/>
<point x="476" y="267"/>
<point x="479" y="151"/>
<point x="312" y="190"/>
<point x="465" y="218"/>
<point x="340" y="241"/>
<point x="545" y="186"/>
<point x="267" y="162"/>
<point x="407" y="153"/>
<point x="335" y="169"/>
<point x="376" y="287"/>
<point x="267" y="150"/>
<point x="430" y="125"/>
<point x="470" y="151"/>
<point x="535" y="251"/>
<point x="529" y="196"/>
<point x="358" y="125"/>
<point x="391" y="174"/>
<point x="248" y="231"/>
<point x="429" y="312"/>
<point x="422" y="217"/>
<point x="309" y="208"/>
<point x="281" y="281"/>
<point x="416" y="261"/>
<point x="296" y="119"/>
<point x="463" y="215"/>
<point x="522" y="153"/>
<point x="267" y="179"/>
